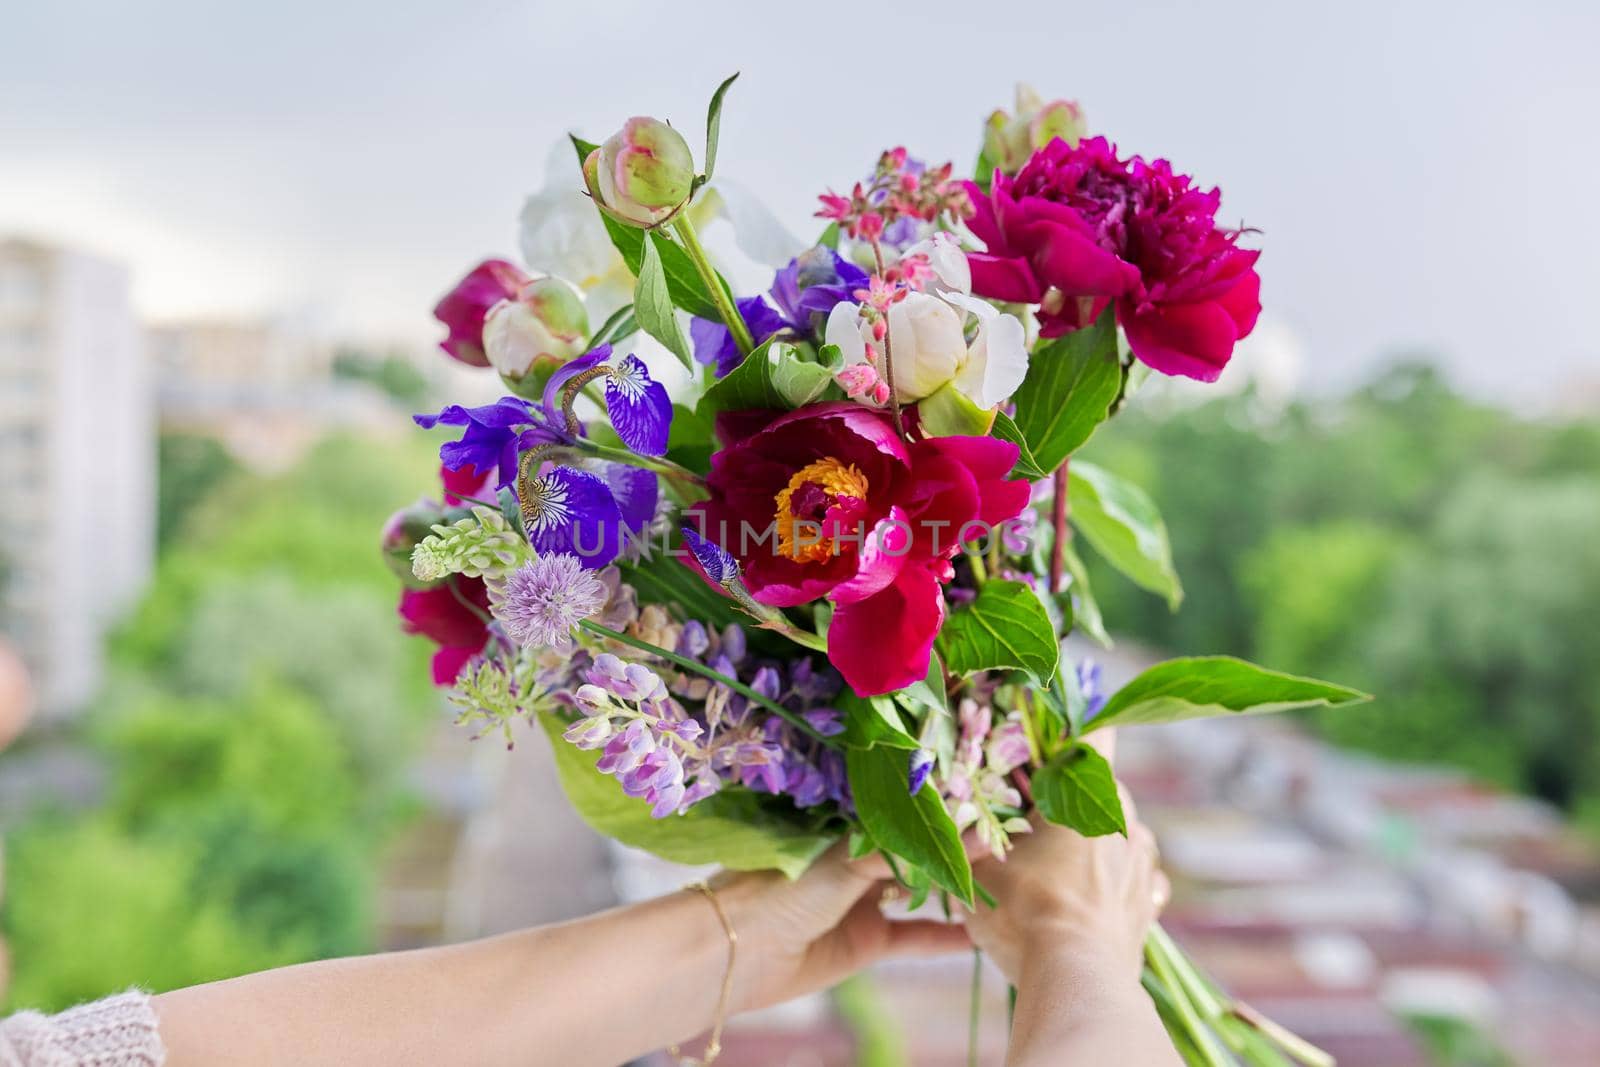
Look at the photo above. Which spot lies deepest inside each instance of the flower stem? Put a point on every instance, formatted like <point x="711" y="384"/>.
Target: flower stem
<point x="1058" y="523"/>
<point x="716" y="676"/>
<point x="1204" y="1041"/>
<point x="658" y="464"/>
<point x="719" y="296"/>
<point x="888" y="354"/>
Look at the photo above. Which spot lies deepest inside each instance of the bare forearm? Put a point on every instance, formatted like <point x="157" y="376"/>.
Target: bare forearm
<point x="597" y="991"/>
<point x="1074" y="1010"/>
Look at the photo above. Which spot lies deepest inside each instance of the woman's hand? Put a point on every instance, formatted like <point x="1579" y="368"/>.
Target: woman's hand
<point x="796" y="937"/>
<point x="1068" y="931"/>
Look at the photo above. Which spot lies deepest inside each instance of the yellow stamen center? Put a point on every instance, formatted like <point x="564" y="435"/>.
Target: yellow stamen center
<point x="814" y="489"/>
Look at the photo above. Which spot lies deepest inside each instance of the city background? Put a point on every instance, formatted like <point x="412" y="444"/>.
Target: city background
<point x="215" y="280"/>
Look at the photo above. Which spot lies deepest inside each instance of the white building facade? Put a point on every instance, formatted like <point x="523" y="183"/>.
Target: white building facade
<point x="77" y="464"/>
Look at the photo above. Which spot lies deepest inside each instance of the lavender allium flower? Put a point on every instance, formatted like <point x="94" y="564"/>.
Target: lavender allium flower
<point x="539" y="603"/>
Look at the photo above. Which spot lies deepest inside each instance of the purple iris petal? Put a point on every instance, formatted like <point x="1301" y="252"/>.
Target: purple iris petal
<point x="640" y="409"/>
<point x="569" y="370"/>
<point x="813" y="282"/>
<point x="636" y="492"/>
<point x="921" y="766"/>
<point x="715" y="560"/>
<point x="572" y="511"/>
<point x="489" y="440"/>
<point x="713" y="343"/>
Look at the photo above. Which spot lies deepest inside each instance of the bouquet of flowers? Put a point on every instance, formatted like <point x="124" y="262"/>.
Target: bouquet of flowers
<point x="822" y="592"/>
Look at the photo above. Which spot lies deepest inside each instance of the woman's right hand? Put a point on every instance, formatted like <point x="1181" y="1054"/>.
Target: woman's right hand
<point x="1087" y="901"/>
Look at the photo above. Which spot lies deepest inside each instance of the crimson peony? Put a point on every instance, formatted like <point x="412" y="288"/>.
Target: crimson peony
<point x="1078" y="228"/>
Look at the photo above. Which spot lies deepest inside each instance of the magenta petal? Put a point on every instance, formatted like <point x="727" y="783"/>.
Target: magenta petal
<point x="1074" y="263"/>
<point x="448" y="663"/>
<point x="879" y="561"/>
<point x="1243" y="303"/>
<point x="884" y="642"/>
<point x="1189" y="340"/>
<point x="1007" y="278"/>
<point x="990" y="461"/>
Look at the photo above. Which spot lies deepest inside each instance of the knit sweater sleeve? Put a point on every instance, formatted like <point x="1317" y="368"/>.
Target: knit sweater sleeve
<point x="118" y="1031"/>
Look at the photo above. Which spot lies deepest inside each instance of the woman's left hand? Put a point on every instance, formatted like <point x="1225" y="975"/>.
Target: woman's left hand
<point x="799" y="936"/>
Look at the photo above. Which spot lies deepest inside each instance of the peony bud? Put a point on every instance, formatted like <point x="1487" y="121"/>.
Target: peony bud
<point x="463" y="308"/>
<point x="1009" y="140"/>
<point x="401" y="533"/>
<point x="528" y="337"/>
<point x="643" y="174"/>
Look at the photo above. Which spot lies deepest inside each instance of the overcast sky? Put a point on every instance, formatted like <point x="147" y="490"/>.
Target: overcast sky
<point x="1423" y="173"/>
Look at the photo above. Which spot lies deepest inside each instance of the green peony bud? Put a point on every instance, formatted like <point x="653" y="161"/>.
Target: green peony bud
<point x="1009" y="140"/>
<point x="527" y="338"/>
<point x="643" y="174"/>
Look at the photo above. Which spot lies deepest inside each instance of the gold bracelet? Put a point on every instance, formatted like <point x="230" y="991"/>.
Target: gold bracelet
<point x="714" y="1045"/>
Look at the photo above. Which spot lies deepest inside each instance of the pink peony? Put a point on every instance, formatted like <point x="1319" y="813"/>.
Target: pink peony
<point x="464" y="308"/>
<point x="1078" y="228"/>
<point x="828" y="502"/>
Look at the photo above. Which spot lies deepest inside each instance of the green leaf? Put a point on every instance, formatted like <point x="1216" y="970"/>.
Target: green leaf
<point x="1006" y="626"/>
<point x="1085" y="608"/>
<point x="1078" y="790"/>
<point x="1202" y="686"/>
<point x="1122" y="523"/>
<point x="691" y="438"/>
<point x="915" y="827"/>
<point x="773" y="377"/>
<point x="734" y="828"/>
<point x="620" y="326"/>
<point x="1027" y="466"/>
<point x="683" y="280"/>
<point x="653" y="307"/>
<point x="873" y="721"/>
<point x="1071" y="384"/>
<point x="714" y="123"/>
<point x="929" y="692"/>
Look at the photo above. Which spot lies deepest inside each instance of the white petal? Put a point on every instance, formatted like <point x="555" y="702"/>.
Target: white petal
<point x="561" y="230"/>
<point x="997" y="361"/>
<point x="756" y="230"/>
<point x="948" y="261"/>
<point x="844" y="329"/>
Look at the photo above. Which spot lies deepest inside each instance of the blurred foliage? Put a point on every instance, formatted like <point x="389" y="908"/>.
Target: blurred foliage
<point x="191" y="468"/>
<point x="261" y="709"/>
<point x="391" y="373"/>
<point x="1403" y="540"/>
<point x="1452" y="1042"/>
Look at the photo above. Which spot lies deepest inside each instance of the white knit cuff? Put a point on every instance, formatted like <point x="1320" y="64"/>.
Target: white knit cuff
<point x="118" y="1031"/>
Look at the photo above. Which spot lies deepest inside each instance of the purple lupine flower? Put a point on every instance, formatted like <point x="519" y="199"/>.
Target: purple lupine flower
<point x="626" y="681"/>
<point x="1094" y="697"/>
<point x="921" y="765"/>
<point x="716" y="561"/>
<point x="733" y="643"/>
<point x="640" y="410"/>
<point x="539" y="603"/>
<point x="1008" y="747"/>
<point x="694" y="640"/>
<point x="829" y="722"/>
